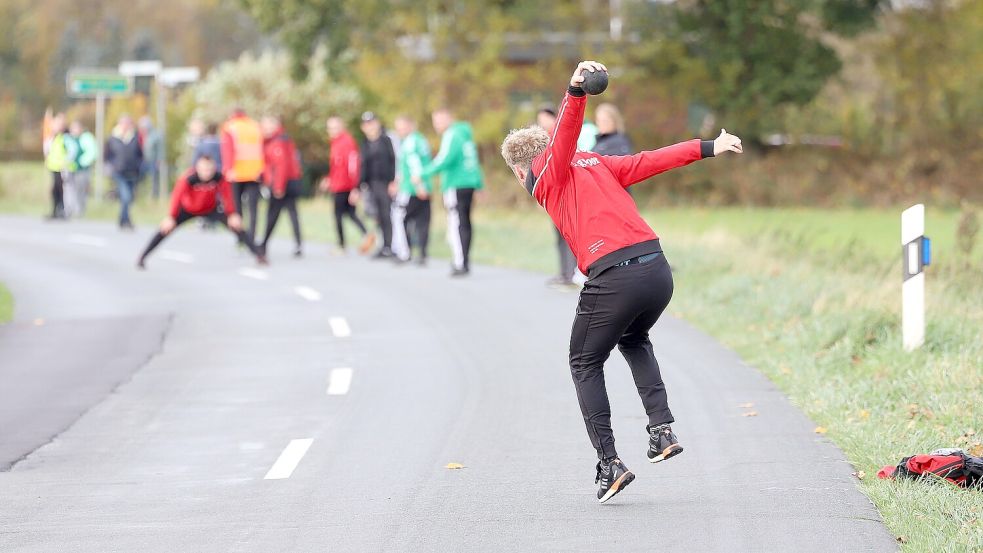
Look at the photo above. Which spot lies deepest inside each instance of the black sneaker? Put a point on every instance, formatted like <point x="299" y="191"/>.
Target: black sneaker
<point x="613" y="476"/>
<point x="662" y="443"/>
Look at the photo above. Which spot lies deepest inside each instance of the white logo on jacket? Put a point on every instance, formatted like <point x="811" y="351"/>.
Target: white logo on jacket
<point x="589" y="162"/>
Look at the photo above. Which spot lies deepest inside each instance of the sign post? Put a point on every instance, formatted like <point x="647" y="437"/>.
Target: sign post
<point x="915" y="255"/>
<point x="98" y="84"/>
<point x="164" y="78"/>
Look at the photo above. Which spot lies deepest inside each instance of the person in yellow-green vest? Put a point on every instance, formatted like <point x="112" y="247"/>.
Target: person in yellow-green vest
<point x="243" y="164"/>
<point x="56" y="161"/>
<point x="84" y="151"/>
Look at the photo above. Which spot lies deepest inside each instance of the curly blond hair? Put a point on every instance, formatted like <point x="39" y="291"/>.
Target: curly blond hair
<point x="522" y="146"/>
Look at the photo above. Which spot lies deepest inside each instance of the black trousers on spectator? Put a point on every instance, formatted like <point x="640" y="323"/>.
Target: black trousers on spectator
<point x="183" y="217"/>
<point x="288" y="202"/>
<point x="568" y="263"/>
<point x="248" y="191"/>
<point x="417" y="224"/>
<point x="458" y="203"/>
<point x="343" y="208"/>
<point x="617" y="308"/>
<point x="57" y="194"/>
<point x="379" y="196"/>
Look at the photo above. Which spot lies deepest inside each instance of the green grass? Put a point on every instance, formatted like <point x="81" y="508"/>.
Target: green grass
<point x="812" y="298"/>
<point x="6" y="305"/>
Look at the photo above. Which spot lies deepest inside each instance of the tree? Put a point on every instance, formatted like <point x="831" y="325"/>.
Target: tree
<point x="762" y="55"/>
<point x="262" y="86"/>
<point x="305" y="25"/>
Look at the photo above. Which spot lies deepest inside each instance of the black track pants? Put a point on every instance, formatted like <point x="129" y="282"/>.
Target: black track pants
<point x="183" y="217"/>
<point x="379" y="195"/>
<point x="458" y="203"/>
<point x="568" y="263"/>
<point x="617" y="308"/>
<point x="57" y="194"/>
<point x="247" y="193"/>
<point x="342" y="207"/>
<point x="273" y="215"/>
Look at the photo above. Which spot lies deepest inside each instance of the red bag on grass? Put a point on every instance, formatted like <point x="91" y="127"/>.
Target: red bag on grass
<point x="952" y="464"/>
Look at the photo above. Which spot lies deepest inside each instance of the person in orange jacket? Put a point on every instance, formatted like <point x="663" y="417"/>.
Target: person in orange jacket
<point x="242" y="163"/>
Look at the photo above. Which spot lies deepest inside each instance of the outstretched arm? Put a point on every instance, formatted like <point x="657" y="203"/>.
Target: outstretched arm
<point x="632" y="169"/>
<point x="569" y="122"/>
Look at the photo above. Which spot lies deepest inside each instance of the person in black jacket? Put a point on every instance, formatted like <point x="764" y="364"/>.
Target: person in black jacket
<point x="125" y="155"/>
<point x="611" y="137"/>
<point x="378" y="174"/>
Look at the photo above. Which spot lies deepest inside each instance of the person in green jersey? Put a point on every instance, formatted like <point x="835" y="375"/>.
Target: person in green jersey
<point x="411" y="210"/>
<point x="460" y="175"/>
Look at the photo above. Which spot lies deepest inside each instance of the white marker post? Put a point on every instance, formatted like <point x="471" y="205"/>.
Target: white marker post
<point x="916" y="254"/>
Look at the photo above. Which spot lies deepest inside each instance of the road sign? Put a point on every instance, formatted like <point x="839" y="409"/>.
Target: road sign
<point x="89" y="83"/>
<point x="173" y="76"/>
<point x="140" y="68"/>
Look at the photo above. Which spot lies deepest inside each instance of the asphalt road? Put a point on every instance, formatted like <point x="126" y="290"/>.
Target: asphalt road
<point x="210" y="405"/>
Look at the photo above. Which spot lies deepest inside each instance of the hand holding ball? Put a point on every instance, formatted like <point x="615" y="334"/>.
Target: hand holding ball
<point x="590" y="76"/>
<point x="595" y="82"/>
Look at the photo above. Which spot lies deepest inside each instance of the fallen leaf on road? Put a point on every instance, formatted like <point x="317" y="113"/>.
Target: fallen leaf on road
<point x="750" y="414"/>
<point x="746" y="405"/>
<point x="454" y="466"/>
<point x="820" y="430"/>
<point x="902" y="539"/>
<point x="860" y="474"/>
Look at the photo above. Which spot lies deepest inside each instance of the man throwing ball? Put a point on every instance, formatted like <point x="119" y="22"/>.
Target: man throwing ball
<point x="629" y="282"/>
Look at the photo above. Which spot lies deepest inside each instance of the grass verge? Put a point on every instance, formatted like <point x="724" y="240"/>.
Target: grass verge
<point x="810" y="297"/>
<point x="6" y="305"/>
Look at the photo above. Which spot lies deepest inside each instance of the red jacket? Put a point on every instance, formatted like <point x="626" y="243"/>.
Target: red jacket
<point x="585" y="193"/>
<point x="345" y="163"/>
<point x="281" y="162"/>
<point x="201" y="198"/>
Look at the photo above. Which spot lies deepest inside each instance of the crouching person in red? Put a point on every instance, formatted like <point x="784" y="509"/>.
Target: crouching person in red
<point x="629" y="282"/>
<point x="196" y="194"/>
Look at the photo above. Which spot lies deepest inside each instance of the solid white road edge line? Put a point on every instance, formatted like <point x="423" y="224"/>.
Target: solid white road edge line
<point x="307" y="293"/>
<point x="340" y="381"/>
<point x="288" y="460"/>
<point x="180" y="257"/>
<point x="87" y="240"/>
<point x="254" y="273"/>
<point x="339" y="327"/>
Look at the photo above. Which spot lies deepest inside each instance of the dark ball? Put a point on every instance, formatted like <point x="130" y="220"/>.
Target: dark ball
<point x="595" y="82"/>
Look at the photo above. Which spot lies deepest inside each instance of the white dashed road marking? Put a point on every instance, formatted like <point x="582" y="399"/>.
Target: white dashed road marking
<point x="87" y="240"/>
<point x="339" y="327"/>
<point x="307" y="293"/>
<point x="288" y="460"/>
<point x="180" y="257"/>
<point x="340" y="381"/>
<point x="254" y="273"/>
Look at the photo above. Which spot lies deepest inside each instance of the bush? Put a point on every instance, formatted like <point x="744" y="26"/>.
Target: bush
<point x="262" y="85"/>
